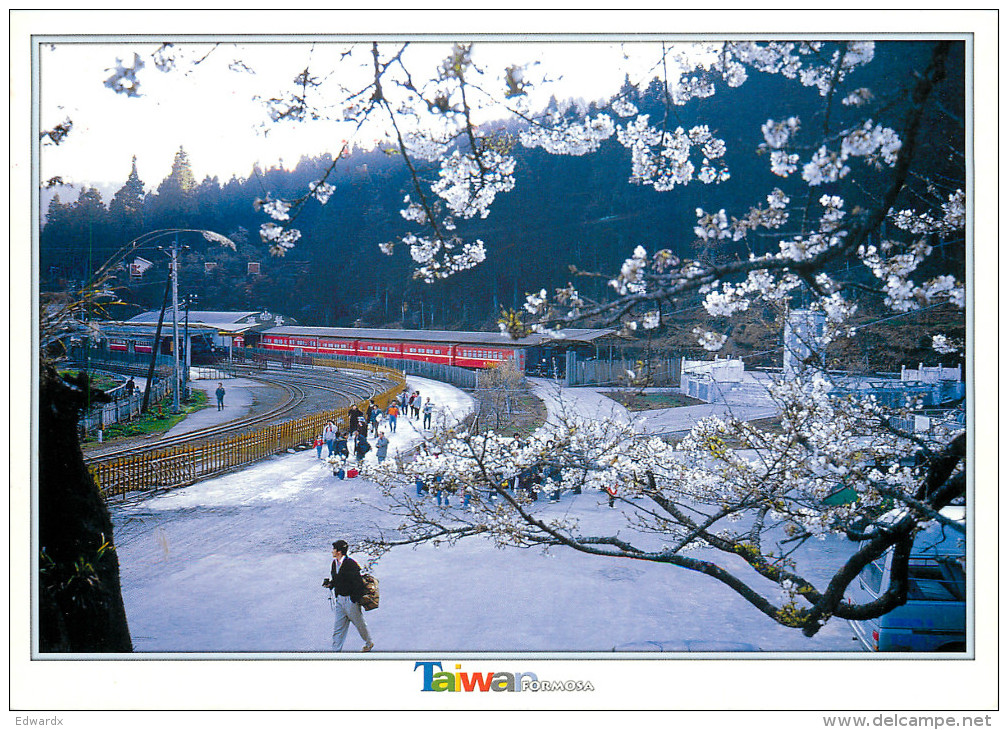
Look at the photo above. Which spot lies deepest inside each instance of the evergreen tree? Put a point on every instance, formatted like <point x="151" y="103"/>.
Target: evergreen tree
<point x="175" y="204"/>
<point x="126" y="208"/>
<point x="181" y="174"/>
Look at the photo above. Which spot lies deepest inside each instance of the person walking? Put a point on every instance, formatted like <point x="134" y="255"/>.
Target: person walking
<point x="417" y="402"/>
<point x="130" y="387"/>
<point x="393" y="414"/>
<point x="348" y="588"/>
<point x="329" y="436"/>
<point x="361" y="447"/>
<point x="371" y="417"/>
<point x="428" y="411"/>
<point x="318" y="446"/>
<point x="220" y="396"/>
<point x="340" y="446"/>
<point x="381" y="447"/>
<point x="355" y="417"/>
<point x="411" y="413"/>
<point x="439" y="489"/>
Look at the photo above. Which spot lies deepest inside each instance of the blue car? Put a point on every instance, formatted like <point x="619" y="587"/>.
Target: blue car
<point x="934" y="616"/>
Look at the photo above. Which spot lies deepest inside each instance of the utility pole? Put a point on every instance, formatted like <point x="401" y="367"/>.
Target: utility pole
<point x="175" y="340"/>
<point x="190" y="300"/>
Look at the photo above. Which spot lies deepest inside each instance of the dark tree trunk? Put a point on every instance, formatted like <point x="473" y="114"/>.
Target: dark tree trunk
<point x="80" y="602"/>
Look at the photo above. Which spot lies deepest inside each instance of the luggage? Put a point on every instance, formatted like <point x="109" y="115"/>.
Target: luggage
<point x="369" y="601"/>
<point x="339" y="473"/>
<point x="351" y="473"/>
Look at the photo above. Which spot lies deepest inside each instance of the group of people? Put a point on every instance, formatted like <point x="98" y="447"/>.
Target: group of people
<point x="414" y="405"/>
<point x="370" y="420"/>
<point x="529" y="481"/>
<point x="338" y="444"/>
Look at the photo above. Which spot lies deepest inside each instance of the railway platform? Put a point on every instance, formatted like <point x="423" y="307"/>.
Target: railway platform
<point x="238" y="403"/>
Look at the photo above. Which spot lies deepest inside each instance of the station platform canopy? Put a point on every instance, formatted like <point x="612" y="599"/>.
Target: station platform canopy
<point x="224" y="322"/>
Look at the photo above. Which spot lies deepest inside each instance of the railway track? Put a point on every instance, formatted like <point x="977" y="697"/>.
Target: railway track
<point x="298" y="385"/>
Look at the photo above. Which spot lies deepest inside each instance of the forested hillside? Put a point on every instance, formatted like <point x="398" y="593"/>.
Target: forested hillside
<point x="565" y="211"/>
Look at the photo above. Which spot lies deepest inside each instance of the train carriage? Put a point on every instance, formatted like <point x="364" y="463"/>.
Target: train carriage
<point x="462" y="349"/>
<point x="381" y="348"/>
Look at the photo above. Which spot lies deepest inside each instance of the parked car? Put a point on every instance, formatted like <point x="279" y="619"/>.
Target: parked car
<point x="934" y="616"/>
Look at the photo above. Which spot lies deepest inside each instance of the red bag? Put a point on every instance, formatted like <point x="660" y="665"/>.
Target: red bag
<point x="351" y="473"/>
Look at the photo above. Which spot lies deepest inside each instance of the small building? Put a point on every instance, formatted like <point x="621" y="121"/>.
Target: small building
<point x="803" y="348"/>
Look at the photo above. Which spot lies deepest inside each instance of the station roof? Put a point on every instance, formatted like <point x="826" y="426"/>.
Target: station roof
<point x="228" y="322"/>
<point x="453" y="336"/>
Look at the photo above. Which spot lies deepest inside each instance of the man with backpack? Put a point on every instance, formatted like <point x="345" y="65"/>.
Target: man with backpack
<point x="348" y="589"/>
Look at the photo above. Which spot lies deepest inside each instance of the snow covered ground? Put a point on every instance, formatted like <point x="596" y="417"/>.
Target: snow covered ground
<point x="235" y="564"/>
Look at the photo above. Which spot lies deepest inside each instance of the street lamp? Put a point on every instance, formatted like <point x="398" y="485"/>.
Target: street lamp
<point x="141" y="242"/>
<point x="188" y="302"/>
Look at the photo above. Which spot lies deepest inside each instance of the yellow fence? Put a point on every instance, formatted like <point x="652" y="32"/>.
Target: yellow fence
<point x="180" y="465"/>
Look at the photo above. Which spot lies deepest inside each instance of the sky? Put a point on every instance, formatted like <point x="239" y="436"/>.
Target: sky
<point x="211" y="109"/>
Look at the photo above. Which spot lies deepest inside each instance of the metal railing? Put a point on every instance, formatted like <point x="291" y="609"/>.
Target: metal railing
<point x="130" y="363"/>
<point x="122" y="408"/>
<point x="657" y="371"/>
<point x="181" y="465"/>
<point x="459" y="377"/>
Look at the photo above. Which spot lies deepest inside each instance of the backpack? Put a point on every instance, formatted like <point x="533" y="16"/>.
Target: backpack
<point x="369" y="599"/>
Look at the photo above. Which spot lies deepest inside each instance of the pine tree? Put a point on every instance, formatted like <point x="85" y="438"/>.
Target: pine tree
<point x="174" y="204"/>
<point x="181" y="173"/>
<point x="127" y="203"/>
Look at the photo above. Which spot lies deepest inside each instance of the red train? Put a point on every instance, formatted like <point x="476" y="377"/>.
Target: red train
<point x="462" y="349"/>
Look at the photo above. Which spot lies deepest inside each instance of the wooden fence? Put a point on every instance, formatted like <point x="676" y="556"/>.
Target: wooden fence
<point x="180" y="465"/>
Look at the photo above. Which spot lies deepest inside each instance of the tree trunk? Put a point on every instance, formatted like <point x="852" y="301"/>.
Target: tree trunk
<point x="80" y="602"/>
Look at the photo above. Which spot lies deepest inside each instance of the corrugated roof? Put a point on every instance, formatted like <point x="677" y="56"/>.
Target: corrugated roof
<point x="214" y="319"/>
<point x="448" y="336"/>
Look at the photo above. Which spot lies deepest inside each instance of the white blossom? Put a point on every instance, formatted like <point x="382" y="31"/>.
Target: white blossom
<point x="278" y="210"/>
<point x="824" y="167"/>
<point x="279" y="239"/>
<point x="945" y="345"/>
<point x="783" y="164"/>
<point x="710" y="341"/>
<point x="322" y="191"/>
<point x="711" y="226"/>
<point x="778" y="134"/>
<point x="535" y="303"/>
<point x="623" y="107"/>
<point x="858" y="97"/>
<point x="631" y="277"/>
<point x="469" y="185"/>
<point x="570" y="138"/>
